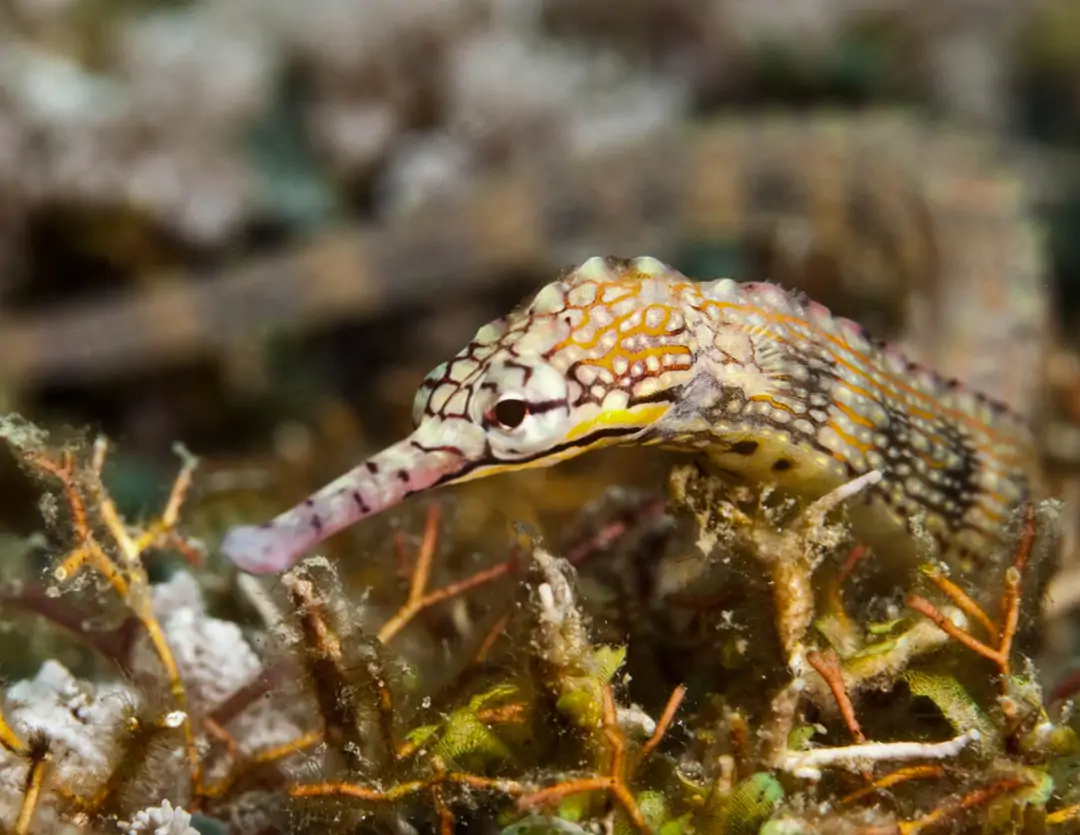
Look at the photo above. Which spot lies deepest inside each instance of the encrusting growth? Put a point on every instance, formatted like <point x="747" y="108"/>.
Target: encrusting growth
<point x="770" y="388"/>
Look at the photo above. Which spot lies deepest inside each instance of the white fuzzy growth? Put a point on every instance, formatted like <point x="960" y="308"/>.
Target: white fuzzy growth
<point x="214" y="659"/>
<point x="165" y="819"/>
<point x="83" y="723"/>
<point x="212" y="655"/>
<point x="561" y="637"/>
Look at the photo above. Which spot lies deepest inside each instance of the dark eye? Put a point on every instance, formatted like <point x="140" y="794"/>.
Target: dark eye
<point x="510" y="414"/>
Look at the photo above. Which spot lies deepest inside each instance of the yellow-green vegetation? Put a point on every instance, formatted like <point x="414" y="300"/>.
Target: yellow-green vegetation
<point x="733" y="666"/>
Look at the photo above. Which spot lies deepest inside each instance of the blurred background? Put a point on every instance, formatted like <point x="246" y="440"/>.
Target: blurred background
<point x="156" y="153"/>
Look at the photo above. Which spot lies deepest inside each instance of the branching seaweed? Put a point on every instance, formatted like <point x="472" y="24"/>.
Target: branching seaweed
<point x="336" y="724"/>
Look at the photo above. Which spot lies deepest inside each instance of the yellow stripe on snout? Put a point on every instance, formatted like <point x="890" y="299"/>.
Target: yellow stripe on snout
<point x="639" y="416"/>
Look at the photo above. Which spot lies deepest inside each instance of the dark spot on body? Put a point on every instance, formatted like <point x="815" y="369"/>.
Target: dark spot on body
<point x="316" y="523"/>
<point x="309" y="502"/>
<point x="363" y="506"/>
<point x="403" y="476"/>
<point x="372" y="467"/>
<point x="744" y="447"/>
<point x="782" y="465"/>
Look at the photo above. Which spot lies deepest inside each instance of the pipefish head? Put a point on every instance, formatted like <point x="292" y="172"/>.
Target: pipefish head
<point x="596" y="358"/>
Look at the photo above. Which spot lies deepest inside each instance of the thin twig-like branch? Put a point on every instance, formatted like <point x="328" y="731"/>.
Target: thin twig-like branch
<point x="808" y="764"/>
<point x="828" y="667"/>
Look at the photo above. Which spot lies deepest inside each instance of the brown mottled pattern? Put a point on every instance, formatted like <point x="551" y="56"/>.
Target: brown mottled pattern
<point x="885" y="194"/>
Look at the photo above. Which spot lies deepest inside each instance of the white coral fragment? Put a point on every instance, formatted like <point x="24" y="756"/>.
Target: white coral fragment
<point x="82" y="722"/>
<point x="165" y="819"/>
